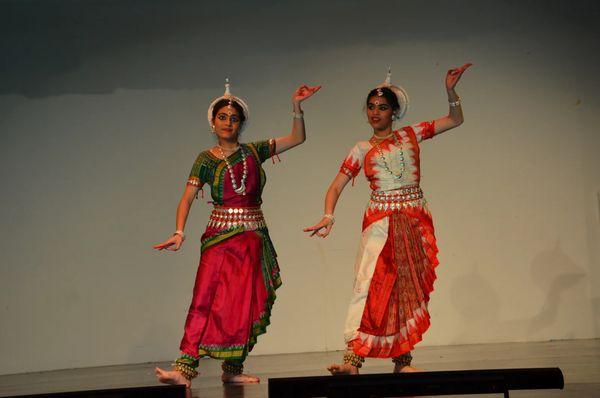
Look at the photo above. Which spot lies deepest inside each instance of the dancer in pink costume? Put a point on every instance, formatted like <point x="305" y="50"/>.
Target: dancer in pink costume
<point x="238" y="271"/>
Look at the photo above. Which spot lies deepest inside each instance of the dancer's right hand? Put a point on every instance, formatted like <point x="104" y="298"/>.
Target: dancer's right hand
<point x="325" y="223"/>
<point x="172" y="244"/>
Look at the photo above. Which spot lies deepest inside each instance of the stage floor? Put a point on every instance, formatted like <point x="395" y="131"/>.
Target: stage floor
<point x="578" y="359"/>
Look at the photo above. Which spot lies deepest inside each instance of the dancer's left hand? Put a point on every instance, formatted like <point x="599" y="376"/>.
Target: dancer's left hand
<point x="303" y="92"/>
<point x="321" y="229"/>
<point x="454" y="74"/>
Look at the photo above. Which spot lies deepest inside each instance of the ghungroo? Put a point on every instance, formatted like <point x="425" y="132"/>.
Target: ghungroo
<point x="353" y="359"/>
<point x="403" y="360"/>
<point x="186" y="365"/>
<point x="232" y="368"/>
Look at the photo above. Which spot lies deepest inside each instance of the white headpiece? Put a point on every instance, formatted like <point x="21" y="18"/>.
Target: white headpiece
<point x="230" y="97"/>
<point x="400" y="93"/>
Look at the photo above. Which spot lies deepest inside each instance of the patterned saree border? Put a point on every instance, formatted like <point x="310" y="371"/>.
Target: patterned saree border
<point x="217" y="186"/>
<point x="220" y="237"/>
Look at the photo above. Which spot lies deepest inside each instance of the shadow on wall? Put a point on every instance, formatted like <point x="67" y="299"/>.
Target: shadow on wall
<point x="552" y="271"/>
<point x="56" y="47"/>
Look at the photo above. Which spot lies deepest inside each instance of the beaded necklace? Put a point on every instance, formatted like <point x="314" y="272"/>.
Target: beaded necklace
<point x="241" y="190"/>
<point x="376" y="143"/>
<point x="379" y="139"/>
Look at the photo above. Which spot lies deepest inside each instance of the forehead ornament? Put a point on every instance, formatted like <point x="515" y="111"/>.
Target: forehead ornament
<point x="398" y="91"/>
<point x="231" y="99"/>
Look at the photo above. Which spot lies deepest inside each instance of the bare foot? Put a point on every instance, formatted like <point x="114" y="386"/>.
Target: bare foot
<point x="239" y="379"/>
<point x="171" y="377"/>
<point x="343" y="369"/>
<point x="405" y="369"/>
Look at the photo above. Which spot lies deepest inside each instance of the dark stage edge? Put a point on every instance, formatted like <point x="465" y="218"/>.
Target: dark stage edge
<point x="488" y="381"/>
<point x="178" y="391"/>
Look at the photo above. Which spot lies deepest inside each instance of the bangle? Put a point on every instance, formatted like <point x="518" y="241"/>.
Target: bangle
<point x="329" y="216"/>
<point x="180" y="233"/>
<point x="454" y="103"/>
<point x="299" y="115"/>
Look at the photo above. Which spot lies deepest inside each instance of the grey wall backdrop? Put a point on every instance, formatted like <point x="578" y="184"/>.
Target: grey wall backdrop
<point x="102" y="113"/>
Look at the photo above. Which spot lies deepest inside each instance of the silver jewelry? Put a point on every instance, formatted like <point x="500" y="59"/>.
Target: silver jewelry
<point x="385" y="164"/>
<point x="180" y="233"/>
<point x="376" y="137"/>
<point x="229" y="149"/>
<point x="241" y="190"/>
<point x="454" y="103"/>
<point x="232" y="98"/>
<point x="399" y="92"/>
<point x="299" y="115"/>
<point x="329" y="216"/>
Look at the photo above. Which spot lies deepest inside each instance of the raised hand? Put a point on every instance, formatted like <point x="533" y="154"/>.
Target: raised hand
<point x="303" y="92"/>
<point x="454" y="74"/>
<point x="172" y="244"/>
<point x="325" y="223"/>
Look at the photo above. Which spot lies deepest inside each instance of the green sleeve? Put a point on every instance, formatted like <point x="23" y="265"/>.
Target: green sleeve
<point x="265" y="149"/>
<point x="199" y="175"/>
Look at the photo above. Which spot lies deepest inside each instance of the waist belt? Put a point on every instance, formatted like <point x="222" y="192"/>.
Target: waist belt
<point x="250" y="218"/>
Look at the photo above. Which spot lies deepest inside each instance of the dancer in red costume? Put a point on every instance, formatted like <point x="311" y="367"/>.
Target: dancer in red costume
<point x="238" y="271"/>
<point x="395" y="266"/>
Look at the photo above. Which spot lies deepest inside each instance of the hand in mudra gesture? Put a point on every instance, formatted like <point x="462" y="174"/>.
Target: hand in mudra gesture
<point x="172" y="244"/>
<point x="321" y="229"/>
<point x="303" y="92"/>
<point x="454" y="74"/>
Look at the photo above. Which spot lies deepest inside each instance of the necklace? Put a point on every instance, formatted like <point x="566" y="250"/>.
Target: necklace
<point x="378" y="138"/>
<point x="385" y="164"/>
<point x="229" y="149"/>
<point x="241" y="190"/>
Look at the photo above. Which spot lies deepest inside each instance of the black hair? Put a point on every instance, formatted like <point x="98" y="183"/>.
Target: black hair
<point x="225" y="102"/>
<point x="386" y="93"/>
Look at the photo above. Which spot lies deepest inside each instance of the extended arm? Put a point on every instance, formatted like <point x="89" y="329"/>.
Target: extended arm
<point x="183" y="209"/>
<point x="455" y="114"/>
<point x="298" y="133"/>
<point x="331" y="198"/>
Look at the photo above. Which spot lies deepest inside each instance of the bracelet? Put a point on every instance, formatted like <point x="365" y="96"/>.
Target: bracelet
<point x="454" y="103"/>
<point x="329" y="216"/>
<point x="299" y="115"/>
<point x="180" y="233"/>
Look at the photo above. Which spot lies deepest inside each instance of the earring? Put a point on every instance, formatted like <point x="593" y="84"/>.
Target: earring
<point x="213" y="128"/>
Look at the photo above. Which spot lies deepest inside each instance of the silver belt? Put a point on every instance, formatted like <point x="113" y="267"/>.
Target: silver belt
<point x="250" y="218"/>
<point x="397" y="198"/>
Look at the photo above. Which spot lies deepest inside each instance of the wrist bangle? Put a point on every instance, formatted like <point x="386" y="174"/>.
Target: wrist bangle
<point x="454" y="103"/>
<point x="299" y="115"/>
<point x="329" y="216"/>
<point x="180" y="233"/>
